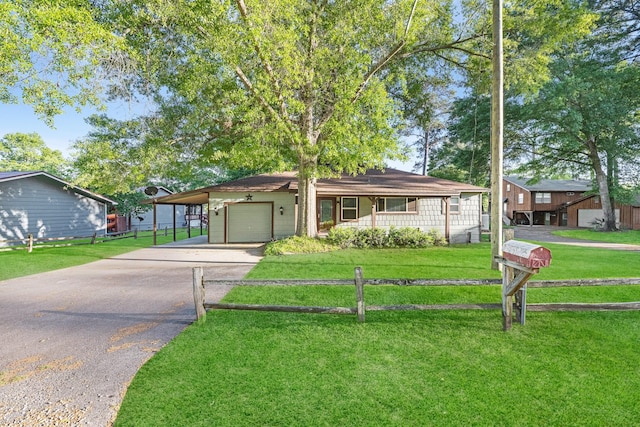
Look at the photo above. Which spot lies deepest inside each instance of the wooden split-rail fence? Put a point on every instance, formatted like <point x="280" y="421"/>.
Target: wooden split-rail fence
<point x="360" y="308"/>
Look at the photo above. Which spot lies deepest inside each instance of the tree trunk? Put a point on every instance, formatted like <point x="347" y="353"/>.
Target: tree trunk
<point x="603" y="187"/>
<point x="307" y="207"/>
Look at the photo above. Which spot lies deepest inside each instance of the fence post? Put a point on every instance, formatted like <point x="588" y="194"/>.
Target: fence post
<point x="359" y="294"/>
<point x="93" y="239"/>
<point x="30" y="243"/>
<point x="198" y="293"/>
<point x="135" y="234"/>
<point x="166" y="231"/>
<point x="507" y="300"/>
<point x="521" y="304"/>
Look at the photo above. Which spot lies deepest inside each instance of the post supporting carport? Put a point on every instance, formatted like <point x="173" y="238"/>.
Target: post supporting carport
<point x="155" y="224"/>
<point x="174" y="222"/>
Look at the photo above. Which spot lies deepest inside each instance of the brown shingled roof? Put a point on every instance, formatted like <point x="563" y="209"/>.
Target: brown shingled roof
<point x="390" y="182"/>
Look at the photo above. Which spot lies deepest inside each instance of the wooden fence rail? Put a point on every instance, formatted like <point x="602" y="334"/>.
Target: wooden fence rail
<point x="199" y="284"/>
<point x="30" y="242"/>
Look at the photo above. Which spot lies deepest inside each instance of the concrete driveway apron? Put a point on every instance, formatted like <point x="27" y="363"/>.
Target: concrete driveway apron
<point x="71" y="340"/>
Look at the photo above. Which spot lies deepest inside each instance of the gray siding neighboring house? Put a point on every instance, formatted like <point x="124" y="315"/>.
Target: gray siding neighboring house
<point x="264" y="207"/>
<point x="46" y="206"/>
<point x="164" y="215"/>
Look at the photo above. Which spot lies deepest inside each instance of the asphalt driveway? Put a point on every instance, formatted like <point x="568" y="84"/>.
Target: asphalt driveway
<point x="72" y="339"/>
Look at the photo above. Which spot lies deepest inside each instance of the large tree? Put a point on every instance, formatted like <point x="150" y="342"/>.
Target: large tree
<point x="119" y="157"/>
<point x="55" y="54"/>
<point x="304" y="83"/>
<point x="585" y="120"/>
<point x="28" y="152"/>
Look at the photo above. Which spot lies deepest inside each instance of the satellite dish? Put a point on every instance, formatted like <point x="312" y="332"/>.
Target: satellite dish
<point x="151" y="191"/>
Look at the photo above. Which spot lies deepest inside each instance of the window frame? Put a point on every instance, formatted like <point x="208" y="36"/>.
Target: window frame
<point x="407" y="205"/>
<point x="349" y="209"/>
<point x="456" y="205"/>
<point x="541" y="197"/>
<point x="521" y="198"/>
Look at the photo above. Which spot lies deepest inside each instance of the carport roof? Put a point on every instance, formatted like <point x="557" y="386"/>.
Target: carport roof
<point x="390" y="182"/>
<point x="257" y="183"/>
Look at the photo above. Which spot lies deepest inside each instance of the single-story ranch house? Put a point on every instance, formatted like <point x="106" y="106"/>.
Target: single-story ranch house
<point x="45" y="206"/>
<point x="264" y="207"/>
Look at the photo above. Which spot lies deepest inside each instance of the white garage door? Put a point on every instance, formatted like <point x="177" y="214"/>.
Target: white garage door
<point x="586" y="217"/>
<point x="249" y="222"/>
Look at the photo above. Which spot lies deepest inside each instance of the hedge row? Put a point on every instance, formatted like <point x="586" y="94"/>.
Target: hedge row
<point x="405" y="237"/>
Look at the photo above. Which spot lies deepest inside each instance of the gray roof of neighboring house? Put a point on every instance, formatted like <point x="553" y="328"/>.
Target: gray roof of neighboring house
<point x="552" y="184"/>
<point x="11" y="176"/>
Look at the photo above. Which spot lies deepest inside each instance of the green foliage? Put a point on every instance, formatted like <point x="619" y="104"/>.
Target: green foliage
<point x="28" y="152"/>
<point x="52" y="54"/>
<point x="298" y="245"/>
<point x="404" y="237"/>
<point x="119" y="157"/>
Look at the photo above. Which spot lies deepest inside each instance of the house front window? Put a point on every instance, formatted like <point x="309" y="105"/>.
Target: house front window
<point x="397" y="204"/>
<point x="521" y="198"/>
<point x="454" y="204"/>
<point x="543" y="197"/>
<point x="349" y="208"/>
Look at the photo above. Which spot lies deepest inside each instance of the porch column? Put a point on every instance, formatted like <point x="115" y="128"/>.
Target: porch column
<point x="374" y="202"/>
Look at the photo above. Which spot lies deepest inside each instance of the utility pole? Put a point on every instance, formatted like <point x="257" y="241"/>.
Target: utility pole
<point x="497" y="119"/>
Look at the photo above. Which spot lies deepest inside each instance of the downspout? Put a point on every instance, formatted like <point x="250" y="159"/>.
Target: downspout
<point x="447" y="223"/>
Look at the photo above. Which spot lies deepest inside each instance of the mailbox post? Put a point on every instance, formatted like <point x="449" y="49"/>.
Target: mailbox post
<point x="520" y="260"/>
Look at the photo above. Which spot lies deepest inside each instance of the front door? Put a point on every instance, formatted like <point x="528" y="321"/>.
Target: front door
<point x="326" y="214"/>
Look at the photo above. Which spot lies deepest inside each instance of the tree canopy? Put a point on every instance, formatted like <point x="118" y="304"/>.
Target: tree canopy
<point x="54" y="54"/>
<point x="272" y="85"/>
<point x="28" y="152"/>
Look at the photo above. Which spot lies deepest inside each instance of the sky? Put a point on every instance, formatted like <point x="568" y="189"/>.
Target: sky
<point x="71" y="126"/>
<point x="68" y="127"/>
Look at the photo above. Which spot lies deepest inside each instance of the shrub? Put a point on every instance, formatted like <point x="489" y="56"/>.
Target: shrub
<point x="342" y="237"/>
<point x="437" y="239"/>
<point x="405" y="237"/>
<point x="298" y="245"/>
<point x="371" y="238"/>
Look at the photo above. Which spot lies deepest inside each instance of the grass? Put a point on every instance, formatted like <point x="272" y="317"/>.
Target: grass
<point x="401" y="368"/>
<point x="631" y="237"/>
<point x="453" y="262"/>
<point x="18" y="263"/>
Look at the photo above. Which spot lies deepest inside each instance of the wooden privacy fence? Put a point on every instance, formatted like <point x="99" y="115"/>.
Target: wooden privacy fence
<point x="201" y="305"/>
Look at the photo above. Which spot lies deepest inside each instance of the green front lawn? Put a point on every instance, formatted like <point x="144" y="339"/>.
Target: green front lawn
<point x="401" y="368"/>
<point x="454" y="262"/>
<point x="631" y="237"/>
<point x="18" y="262"/>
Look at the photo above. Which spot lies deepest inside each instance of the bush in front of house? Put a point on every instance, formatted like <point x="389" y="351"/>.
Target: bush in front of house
<point x="298" y="245"/>
<point x="404" y="237"/>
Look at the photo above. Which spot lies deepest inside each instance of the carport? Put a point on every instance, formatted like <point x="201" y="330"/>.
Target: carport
<point x="191" y="199"/>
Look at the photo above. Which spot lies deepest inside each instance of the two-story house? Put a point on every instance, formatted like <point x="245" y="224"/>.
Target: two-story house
<point x="571" y="203"/>
<point x="542" y="203"/>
